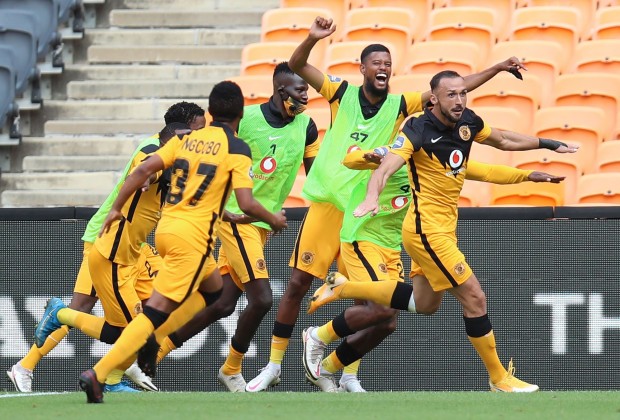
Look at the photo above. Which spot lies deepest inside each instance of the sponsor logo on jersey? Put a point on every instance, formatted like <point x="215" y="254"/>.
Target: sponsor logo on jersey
<point x="456" y="159"/>
<point x="268" y="165"/>
<point x="334" y="79"/>
<point x="399" y="202"/>
<point x="398" y="143"/>
<point x="353" y="148"/>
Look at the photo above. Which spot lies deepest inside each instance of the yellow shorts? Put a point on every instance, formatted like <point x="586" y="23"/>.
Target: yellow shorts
<point x="438" y="258"/>
<point x="83" y="282"/>
<point x="149" y="263"/>
<point x="242" y="252"/>
<point x="183" y="268"/>
<point x="366" y="261"/>
<point x="318" y="241"/>
<point x="114" y="284"/>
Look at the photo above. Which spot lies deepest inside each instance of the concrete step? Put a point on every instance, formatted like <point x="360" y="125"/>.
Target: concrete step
<point x="126" y="109"/>
<point x="74" y="163"/>
<point x="124" y="89"/>
<point x="55" y="198"/>
<point x="167" y="54"/>
<point x="78" y="146"/>
<point x="104" y="127"/>
<point x="161" y="37"/>
<point x="202" y="4"/>
<point x="151" y="72"/>
<point x="60" y="181"/>
<point x="177" y="18"/>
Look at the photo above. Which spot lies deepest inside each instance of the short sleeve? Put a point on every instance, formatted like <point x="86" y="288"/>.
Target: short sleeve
<point x="413" y="101"/>
<point x="241" y="170"/>
<point x="312" y="140"/>
<point x="167" y="153"/>
<point x="483" y="134"/>
<point x="402" y="147"/>
<point x="331" y="84"/>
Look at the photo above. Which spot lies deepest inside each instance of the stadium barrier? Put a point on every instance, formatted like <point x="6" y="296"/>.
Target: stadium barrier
<point x="551" y="277"/>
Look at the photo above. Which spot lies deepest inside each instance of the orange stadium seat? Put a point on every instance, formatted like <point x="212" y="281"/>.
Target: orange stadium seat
<point x="599" y="90"/>
<point x="418" y="82"/>
<point x="608" y="157"/>
<point x="556" y="24"/>
<point x="560" y="164"/>
<point x="585" y="9"/>
<point x="488" y="154"/>
<point x="434" y="56"/>
<point x="599" y="56"/>
<point x="599" y="189"/>
<point x="260" y="58"/>
<point x="289" y="24"/>
<point x="504" y="90"/>
<point x="322" y="118"/>
<point x="343" y="58"/>
<point x="315" y="100"/>
<point x="474" y="194"/>
<point x="381" y="25"/>
<point x="607" y="23"/>
<point x="420" y="9"/>
<point x="295" y="199"/>
<point x="542" y="58"/>
<point x="503" y="118"/>
<point x="528" y="194"/>
<point x="256" y="89"/>
<point x="337" y="10"/>
<point x="573" y="125"/>
<point x="502" y="8"/>
<point x="475" y="24"/>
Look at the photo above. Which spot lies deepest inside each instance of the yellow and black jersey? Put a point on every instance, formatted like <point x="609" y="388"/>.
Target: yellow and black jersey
<point x="436" y="156"/>
<point x="121" y="244"/>
<point x="205" y="166"/>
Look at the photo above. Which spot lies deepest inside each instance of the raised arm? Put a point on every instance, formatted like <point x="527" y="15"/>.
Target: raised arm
<point x="509" y="140"/>
<point x="390" y="164"/>
<point x="501" y="174"/>
<point x="321" y="28"/>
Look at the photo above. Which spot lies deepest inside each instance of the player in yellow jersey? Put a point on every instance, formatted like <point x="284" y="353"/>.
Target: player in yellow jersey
<point x="436" y="148"/>
<point x="206" y="165"/>
<point x="366" y="116"/>
<point x="84" y="296"/>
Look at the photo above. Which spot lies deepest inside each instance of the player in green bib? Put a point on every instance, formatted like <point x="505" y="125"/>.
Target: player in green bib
<point x="280" y="137"/>
<point x="371" y="248"/>
<point x="84" y="297"/>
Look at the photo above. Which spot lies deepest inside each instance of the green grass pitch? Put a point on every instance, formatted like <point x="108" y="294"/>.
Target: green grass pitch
<point x="296" y="406"/>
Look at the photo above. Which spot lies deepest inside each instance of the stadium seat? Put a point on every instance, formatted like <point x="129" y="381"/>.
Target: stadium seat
<point x="322" y="118"/>
<point x="289" y="24"/>
<point x="503" y="118"/>
<point x="315" y="100"/>
<point x="528" y="194"/>
<point x="585" y="9"/>
<point x="547" y="23"/>
<point x="598" y="56"/>
<point x="336" y="9"/>
<point x="256" y="89"/>
<point x="418" y="82"/>
<point x="608" y="157"/>
<point x="560" y="164"/>
<point x="343" y="58"/>
<point x="599" y="189"/>
<point x="474" y="24"/>
<point x="434" y="56"/>
<point x="420" y="9"/>
<point x="261" y="58"/>
<point x="474" y="194"/>
<point x="573" y="125"/>
<point x="381" y="25"/>
<point x="502" y="8"/>
<point x="542" y="58"/>
<point x="504" y="90"/>
<point x="295" y="199"/>
<point x="489" y="154"/>
<point x="599" y="90"/>
<point x="607" y="23"/>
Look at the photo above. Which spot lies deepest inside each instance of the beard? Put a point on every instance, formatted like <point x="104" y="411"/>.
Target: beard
<point x="370" y="88"/>
<point x="448" y="116"/>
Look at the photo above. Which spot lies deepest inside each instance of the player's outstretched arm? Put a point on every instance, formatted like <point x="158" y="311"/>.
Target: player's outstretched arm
<point x="321" y="28"/>
<point x="501" y="174"/>
<point x="509" y="140"/>
<point x="133" y="182"/>
<point x="390" y="164"/>
<point x="251" y="207"/>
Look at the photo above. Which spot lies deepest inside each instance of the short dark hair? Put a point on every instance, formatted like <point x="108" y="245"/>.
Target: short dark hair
<point x="446" y="74"/>
<point x="282" y="68"/>
<point x="169" y="131"/>
<point x="226" y="101"/>
<point x="183" y="112"/>
<point x="371" y="49"/>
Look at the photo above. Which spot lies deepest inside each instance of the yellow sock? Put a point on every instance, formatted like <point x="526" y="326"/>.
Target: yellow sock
<point x="165" y="347"/>
<point x="485" y="346"/>
<point x="130" y="341"/>
<point x="90" y="325"/>
<point x="278" y="347"/>
<point x="181" y="316"/>
<point x="331" y="363"/>
<point x="352" y="368"/>
<point x="380" y="292"/>
<point x="326" y="333"/>
<point x="35" y="354"/>
<point x="232" y="365"/>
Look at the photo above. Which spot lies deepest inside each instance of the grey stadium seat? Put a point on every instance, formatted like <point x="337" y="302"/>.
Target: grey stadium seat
<point x="8" y="107"/>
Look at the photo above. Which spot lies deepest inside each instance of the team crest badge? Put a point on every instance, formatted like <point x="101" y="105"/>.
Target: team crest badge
<point x="459" y="269"/>
<point x="307" y="257"/>
<point x="138" y="308"/>
<point x="260" y="264"/>
<point x="382" y="268"/>
<point x="464" y="132"/>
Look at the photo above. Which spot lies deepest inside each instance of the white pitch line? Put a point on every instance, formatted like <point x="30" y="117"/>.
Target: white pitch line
<point x="31" y="394"/>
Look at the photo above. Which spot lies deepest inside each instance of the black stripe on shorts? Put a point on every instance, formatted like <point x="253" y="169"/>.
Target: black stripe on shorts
<point x="242" y="250"/>
<point x="444" y="270"/>
<point x="117" y="293"/>
<point x="362" y="258"/>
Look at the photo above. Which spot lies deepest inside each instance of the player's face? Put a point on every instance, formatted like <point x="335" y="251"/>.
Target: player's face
<point x="199" y="122"/>
<point x="377" y="70"/>
<point x="296" y="88"/>
<point x="451" y="98"/>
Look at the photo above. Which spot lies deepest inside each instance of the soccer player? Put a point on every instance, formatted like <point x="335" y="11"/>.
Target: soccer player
<point x="84" y="296"/>
<point x="362" y="117"/>
<point x="436" y="148"/>
<point x="206" y="165"/>
<point x="280" y="137"/>
<point x="370" y="250"/>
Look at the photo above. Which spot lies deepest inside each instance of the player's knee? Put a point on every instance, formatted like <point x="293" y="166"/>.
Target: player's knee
<point x="384" y="314"/>
<point x="427" y="308"/>
<point x="110" y="333"/>
<point x="261" y="304"/>
<point x="224" y="308"/>
<point x="82" y="303"/>
<point x="298" y="285"/>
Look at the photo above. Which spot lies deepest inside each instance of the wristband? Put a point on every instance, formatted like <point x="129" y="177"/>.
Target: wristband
<point x="550" y="144"/>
